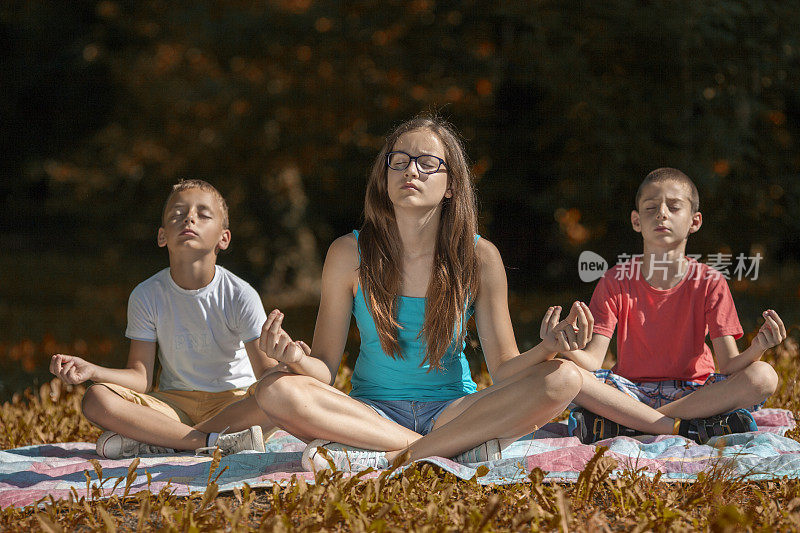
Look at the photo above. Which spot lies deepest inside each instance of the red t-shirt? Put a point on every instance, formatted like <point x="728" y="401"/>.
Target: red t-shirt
<point x="661" y="333"/>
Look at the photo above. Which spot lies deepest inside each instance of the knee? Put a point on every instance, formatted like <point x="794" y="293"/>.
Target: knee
<point x="279" y="395"/>
<point x="563" y="380"/>
<point x="95" y="402"/>
<point x="762" y="378"/>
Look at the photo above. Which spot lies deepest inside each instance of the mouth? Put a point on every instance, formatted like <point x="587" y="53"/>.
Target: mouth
<point x="409" y="186"/>
<point x="188" y="232"/>
<point x="662" y="229"/>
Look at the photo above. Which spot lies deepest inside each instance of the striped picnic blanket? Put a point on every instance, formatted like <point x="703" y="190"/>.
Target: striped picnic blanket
<point x="31" y="473"/>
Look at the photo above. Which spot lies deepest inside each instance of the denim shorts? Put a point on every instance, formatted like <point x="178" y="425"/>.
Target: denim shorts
<point x="658" y="393"/>
<point x="416" y="416"/>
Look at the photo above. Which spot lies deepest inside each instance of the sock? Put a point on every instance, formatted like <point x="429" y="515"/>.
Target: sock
<point x="211" y="440"/>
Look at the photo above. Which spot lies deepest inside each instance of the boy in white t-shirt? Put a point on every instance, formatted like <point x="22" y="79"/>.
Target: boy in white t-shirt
<point x="204" y="324"/>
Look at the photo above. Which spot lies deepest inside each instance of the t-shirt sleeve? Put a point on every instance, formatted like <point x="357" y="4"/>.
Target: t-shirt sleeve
<point x="251" y="315"/>
<point x="604" y="306"/>
<point x="721" y="314"/>
<point x="141" y="316"/>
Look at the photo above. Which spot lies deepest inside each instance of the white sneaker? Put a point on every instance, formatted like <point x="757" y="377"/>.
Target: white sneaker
<point x="488" y="451"/>
<point x="112" y="445"/>
<point x="345" y="458"/>
<point x="249" y="439"/>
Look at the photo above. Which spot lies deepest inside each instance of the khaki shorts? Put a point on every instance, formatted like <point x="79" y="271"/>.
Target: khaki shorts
<point x="187" y="406"/>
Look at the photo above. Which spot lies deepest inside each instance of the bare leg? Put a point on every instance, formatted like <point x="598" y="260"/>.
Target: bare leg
<point x="107" y="409"/>
<point x="611" y="403"/>
<point x="310" y="409"/>
<point x="743" y="389"/>
<point x="746" y="388"/>
<point x="505" y="411"/>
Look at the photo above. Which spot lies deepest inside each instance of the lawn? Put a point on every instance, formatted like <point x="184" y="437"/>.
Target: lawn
<point x="420" y="498"/>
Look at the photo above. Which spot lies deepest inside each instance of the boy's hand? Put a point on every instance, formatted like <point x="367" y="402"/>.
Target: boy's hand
<point x="72" y="370"/>
<point x="771" y="333"/>
<point x="277" y="344"/>
<point x="572" y="333"/>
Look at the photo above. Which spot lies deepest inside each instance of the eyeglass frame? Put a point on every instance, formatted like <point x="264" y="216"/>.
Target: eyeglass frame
<point x="414" y="159"/>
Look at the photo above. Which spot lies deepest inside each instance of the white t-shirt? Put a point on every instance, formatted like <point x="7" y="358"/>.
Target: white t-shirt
<point x="200" y="333"/>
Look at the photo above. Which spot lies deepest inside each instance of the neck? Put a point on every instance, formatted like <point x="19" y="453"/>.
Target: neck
<point x="418" y="230"/>
<point x="192" y="273"/>
<point x="664" y="268"/>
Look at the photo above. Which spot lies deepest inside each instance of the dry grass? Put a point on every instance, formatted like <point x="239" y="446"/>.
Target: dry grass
<point x="421" y="498"/>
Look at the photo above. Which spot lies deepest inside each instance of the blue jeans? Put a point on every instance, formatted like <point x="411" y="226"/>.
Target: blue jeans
<point x="416" y="416"/>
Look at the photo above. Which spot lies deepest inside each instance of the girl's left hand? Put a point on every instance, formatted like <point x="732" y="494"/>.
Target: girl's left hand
<point x="572" y="333"/>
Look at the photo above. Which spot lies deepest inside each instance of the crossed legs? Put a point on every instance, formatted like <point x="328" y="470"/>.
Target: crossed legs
<point x="745" y="388"/>
<point x="107" y="409"/>
<point x="507" y="410"/>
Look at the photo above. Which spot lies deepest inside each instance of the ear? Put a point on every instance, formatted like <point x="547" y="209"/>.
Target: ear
<point x="224" y="240"/>
<point x="697" y="221"/>
<point x="635" y="222"/>
<point x="448" y="193"/>
<point x="161" y="239"/>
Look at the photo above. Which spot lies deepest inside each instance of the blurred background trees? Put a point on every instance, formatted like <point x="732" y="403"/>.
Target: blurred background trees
<point x="283" y="104"/>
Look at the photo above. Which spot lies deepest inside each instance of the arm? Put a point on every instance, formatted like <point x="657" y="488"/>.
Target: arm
<point x="494" y="323"/>
<point x="137" y="375"/>
<point x="591" y="357"/>
<point x="333" y="319"/>
<point x="262" y="364"/>
<point x="491" y="314"/>
<point x="730" y="361"/>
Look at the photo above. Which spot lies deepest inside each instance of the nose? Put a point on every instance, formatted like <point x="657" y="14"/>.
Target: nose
<point x="191" y="216"/>
<point x="663" y="210"/>
<point x="412" y="170"/>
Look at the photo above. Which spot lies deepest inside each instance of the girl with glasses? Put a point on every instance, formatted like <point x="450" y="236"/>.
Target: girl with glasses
<point x="412" y="276"/>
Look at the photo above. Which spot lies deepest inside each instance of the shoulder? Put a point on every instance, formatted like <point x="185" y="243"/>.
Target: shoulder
<point x="708" y="279"/>
<point x="155" y="284"/>
<point x="232" y="285"/>
<point x="229" y="278"/>
<point x="492" y="272"/>
<point x="488" y="254"/>
<point x="343" y="251"/>
<point x="341" y="264"/>
<point x="706" y="272"/>
<point x="621" y="269"/>
<point x="627" y="271"/>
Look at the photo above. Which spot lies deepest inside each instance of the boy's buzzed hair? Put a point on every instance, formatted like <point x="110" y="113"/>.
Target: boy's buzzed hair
<point x="661" y="175"/>
<point x="185" y="185"/>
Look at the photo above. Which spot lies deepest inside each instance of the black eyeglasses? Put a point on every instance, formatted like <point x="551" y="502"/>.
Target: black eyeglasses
<point x="426" y="163"/>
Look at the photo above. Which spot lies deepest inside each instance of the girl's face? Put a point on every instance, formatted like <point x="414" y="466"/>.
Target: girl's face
<point x="410" y="188"/>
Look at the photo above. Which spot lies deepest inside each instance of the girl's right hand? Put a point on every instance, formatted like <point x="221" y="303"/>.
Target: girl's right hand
<point x="277" y="344"/>
<point x="72" y="370"/>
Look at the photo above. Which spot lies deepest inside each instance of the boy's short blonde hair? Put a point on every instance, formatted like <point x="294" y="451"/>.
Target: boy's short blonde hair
<point x="661" y="175"/>
<point x="185" y="185"/>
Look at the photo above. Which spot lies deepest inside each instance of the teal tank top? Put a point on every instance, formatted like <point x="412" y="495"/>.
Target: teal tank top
<point x="378" y="376"/>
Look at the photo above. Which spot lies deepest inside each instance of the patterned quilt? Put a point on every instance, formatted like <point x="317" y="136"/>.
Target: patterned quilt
<point x="32" y="473"/>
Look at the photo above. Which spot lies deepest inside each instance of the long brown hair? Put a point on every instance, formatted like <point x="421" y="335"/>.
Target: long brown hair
<point x="454" y="276"/>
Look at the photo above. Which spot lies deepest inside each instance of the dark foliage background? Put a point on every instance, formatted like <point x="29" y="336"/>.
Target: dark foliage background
<point x="565" y="106"/>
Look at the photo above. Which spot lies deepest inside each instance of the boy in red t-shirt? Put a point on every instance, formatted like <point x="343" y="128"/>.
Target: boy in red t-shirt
<point x="663" y="306"/>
